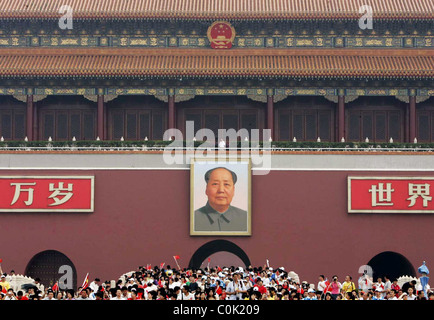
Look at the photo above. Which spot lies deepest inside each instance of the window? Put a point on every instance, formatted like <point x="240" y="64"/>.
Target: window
<point x="12" y="124"/>
<point x="136" y="124"/>
<point x="305" y="124"/>
<point x="376" y="125"/>
<point x="60" y="124"/>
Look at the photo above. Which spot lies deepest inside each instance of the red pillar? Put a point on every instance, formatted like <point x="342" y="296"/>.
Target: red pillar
<point x="270" y="114"/>
<point x="105" y="124"/>
<point x="406" y="123"/>
<point x="29" y="117"/>
<point x="412" y="118"/>
<point x="35" y="122"/>
<point x="171" y="112"/>
<point x="341" y="118"/>
<point x="100" y="117"/>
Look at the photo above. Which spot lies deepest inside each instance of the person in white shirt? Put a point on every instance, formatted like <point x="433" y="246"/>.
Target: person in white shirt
<point x="10" y="295"/>
<point x="175" y="283"/>
<point x="178" y="293"/>
<point x="321" y="284"/>
<point x="118" y="295"/>
<point x="310" y="295"/>
<point x="387" y="284"/>
<point x="266" y="280"/>
<point x="130" y="283"/>
<point x="125" y="293"/>
<point x="186" y="294"/>
<point x="94" y="285"/>
<point x="380" y="285"/>
<point x="411" y="295"/>
<point x="391" y="295"/>
<point x="236" y="288"/>
<point x="39" y="285"/>
<point x="50" y="296"/>
<point x="150" y="287"/>
<point x="84" y="295"/>
<point x="365" y="283"/>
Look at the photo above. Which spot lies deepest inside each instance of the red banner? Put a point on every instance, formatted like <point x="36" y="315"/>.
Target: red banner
<point x="46" y="193"/>
<point x="391" y="194"/>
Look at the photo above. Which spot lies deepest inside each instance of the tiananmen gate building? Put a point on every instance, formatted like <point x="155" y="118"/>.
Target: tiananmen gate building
<point x="349" y="107"/>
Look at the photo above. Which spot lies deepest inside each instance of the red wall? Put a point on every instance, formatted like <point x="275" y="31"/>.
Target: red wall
<point x="300" y="221"/>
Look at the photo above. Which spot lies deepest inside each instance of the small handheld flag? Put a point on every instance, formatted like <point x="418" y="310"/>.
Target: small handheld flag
<point x="176" y="260"/>
<point x="85" y="282"/>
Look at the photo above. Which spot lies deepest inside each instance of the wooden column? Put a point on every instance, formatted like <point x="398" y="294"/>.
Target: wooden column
<point x="35" y="135"/>
<point x="412" y="118"/>
<point x="171" y="112"/>
<point x="100" y="117"/>
<point x="341" y="118"/>
<point x="270" y="114"/>
<point x="29" y="117"/>
<point x="105" y="123"/>
<point x="406" y="123"/>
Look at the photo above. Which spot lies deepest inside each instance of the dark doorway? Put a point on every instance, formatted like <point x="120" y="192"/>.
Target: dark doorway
<point x="45" y="266"/>
<point x="217" y="246"/>
<point x="391" y="264"/>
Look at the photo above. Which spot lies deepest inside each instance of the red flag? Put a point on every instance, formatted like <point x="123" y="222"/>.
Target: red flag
<point x="148" y="267"/>
<point x="55" y="287"/>
<point x="85" y="282"/>
<point x="219" y="290"/>
<point x="328" y="287"/>
<point x="162" y="265"/>
<point x="176" y="258"/>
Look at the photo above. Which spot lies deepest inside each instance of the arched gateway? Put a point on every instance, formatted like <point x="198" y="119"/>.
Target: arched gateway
<point x="215" y="246"/>
<point x="50" y="266"/>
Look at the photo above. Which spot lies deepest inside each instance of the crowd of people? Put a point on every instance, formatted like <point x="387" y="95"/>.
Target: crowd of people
<point x="229" y="283"/>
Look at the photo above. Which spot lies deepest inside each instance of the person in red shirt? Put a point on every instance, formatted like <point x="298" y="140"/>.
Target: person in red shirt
<point x="223" y="294"/>
<point x="218" y="289"/>
<point x="261" y="288"/>
<point x="20" y="296"/>
<point x="299" y="289"/>
<point x="396" y="287"/>
<point x="133" y="295"/>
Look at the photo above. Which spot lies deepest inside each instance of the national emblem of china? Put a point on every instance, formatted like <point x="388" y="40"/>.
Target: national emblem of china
<point x="221" y="34"/>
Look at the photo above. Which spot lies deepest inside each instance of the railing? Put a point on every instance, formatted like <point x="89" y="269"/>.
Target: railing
<point x="256" y="149"/>
<point x="278" y="146"/>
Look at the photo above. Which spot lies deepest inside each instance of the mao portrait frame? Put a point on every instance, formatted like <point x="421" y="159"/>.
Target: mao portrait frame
<point x="220" y="163"/>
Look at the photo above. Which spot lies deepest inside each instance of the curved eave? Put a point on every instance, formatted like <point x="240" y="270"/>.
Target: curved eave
<point x="208" y="63"/>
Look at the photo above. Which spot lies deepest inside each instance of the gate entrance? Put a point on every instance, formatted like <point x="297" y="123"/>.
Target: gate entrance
<point x="219" y="249"/>
<point x="391" y="264"/>
<point x="45" y="266"/>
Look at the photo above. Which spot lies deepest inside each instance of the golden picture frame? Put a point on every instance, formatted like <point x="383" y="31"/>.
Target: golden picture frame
<point x="220" y="197"/>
